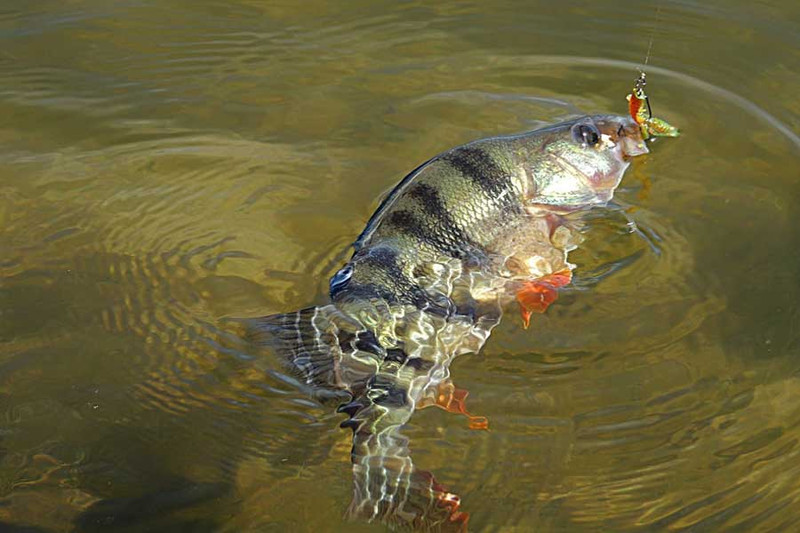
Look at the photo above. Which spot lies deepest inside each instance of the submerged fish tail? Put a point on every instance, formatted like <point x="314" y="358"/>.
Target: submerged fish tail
<point x="324" y="348"/>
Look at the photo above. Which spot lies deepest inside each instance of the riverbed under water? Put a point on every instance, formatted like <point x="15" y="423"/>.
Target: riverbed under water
<point x="167" y="165"/>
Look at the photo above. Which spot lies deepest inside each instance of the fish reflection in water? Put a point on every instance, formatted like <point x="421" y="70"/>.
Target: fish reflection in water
<point x="459" y="239"/>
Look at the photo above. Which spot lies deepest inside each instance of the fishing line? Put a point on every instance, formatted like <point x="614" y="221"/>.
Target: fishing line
<point x="652" y="34"/>
<point x="642" y="81"/>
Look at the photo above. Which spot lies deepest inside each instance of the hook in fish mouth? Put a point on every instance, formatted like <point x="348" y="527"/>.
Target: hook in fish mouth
<point x="623" y="136"/>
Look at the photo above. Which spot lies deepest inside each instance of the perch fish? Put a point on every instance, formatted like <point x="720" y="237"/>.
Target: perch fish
<point x="466" y="234"/>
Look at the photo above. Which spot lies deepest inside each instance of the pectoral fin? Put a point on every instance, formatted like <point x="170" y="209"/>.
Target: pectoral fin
<point x="536" y="296"/>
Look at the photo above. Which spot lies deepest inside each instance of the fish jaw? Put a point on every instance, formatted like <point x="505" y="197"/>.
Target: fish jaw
<point x="621" y="139"/>
<point x="632" y="147"/>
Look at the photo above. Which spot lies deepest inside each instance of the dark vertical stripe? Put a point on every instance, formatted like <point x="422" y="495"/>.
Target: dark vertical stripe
<point x="384" y="390"/>
<point x="409" y="224"/>
<point x="386" y="259"/>
<point x="477" y="165"/>
<point x="364" y="341"/>
<point x="395" y="286"/>
<point x="387" y="202"/>
<point x="366" y="291"/>
<point x="398" y="355"/>
<point x="432" y="205"/>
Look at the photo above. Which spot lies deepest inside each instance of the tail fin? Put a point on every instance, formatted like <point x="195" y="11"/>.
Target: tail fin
<point x="323" y="347"/>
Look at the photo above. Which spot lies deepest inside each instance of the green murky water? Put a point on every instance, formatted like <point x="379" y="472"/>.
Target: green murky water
<point x="165" y="165"/>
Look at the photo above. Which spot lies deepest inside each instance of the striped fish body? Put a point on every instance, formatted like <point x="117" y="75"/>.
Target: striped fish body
<point x="430" y="274"/>
<point x="453" y="234"/>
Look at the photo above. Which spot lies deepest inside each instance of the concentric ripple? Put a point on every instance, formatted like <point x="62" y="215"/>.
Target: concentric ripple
<point x="167" y="166"/>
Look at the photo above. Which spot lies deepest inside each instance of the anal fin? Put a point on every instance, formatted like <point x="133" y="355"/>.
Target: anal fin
<point x="453" y="400"/>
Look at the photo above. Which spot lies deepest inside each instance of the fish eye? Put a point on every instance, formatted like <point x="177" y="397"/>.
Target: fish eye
<point x="586" y="133"/>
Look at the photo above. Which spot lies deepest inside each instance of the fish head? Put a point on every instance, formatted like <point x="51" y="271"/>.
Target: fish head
<point x="581" y="162"/>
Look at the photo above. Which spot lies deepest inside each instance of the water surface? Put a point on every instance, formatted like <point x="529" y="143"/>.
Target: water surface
<point x="167" y="165"/>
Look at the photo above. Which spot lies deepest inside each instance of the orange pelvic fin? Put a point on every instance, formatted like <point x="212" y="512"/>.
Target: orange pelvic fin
<point x="453" y="400"/>
<point x="536" y="296"/>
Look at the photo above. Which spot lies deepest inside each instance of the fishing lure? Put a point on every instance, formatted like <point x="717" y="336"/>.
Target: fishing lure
<point x="640" y="111"/>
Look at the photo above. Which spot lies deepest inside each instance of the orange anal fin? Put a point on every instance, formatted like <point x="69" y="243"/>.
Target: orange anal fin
<point x="536" y="296"/>
<point x="452" y="502"/>
<point x="453" y="400"/>
<point x="458" y="519"/>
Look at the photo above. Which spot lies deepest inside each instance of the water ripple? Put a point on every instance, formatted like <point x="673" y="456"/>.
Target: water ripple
<point x="168" y="166"/>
